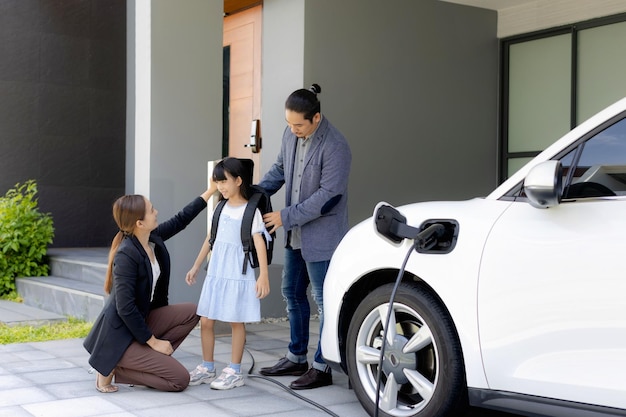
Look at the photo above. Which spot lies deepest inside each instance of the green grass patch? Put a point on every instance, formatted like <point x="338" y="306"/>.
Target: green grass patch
<point x="72" y="329"/>
<point x="12" y="296"/>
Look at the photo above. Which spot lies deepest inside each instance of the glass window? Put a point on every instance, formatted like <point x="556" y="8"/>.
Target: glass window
<point x="539" y="92"/>
<point x="516" y="163"/>
<point x="601" y="167"/>
<point x="601" y="66"/>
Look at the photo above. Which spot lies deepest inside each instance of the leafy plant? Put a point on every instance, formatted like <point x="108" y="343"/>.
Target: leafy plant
<point x="25" y="234"/>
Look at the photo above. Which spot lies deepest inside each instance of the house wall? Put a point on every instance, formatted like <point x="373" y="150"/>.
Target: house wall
<point x="413" y="87"/>
<point x="282" y="72"/>
<point x="185" y="121"/>
<point x="62" y="110"/>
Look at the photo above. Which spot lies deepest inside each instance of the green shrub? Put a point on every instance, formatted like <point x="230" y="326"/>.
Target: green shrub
<point x="25" y="234"/>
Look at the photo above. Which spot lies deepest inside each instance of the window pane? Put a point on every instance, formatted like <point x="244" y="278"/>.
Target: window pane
<point x="539" y="92"/>
<point x="516" y="163"/>
<point x="601" y="170"/>
<point x="601" y="68"/>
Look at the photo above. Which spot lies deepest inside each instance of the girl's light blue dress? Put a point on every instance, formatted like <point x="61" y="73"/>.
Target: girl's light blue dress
<point x="228" y="295"/>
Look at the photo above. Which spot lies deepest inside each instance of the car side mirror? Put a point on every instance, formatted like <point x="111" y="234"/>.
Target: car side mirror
<point x="543" y="184"/>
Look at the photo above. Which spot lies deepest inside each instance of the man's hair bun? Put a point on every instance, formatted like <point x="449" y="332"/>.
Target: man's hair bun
<point x="315" y="88"/>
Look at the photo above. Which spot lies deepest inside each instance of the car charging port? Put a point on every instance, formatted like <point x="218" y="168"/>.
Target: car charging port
<point x="446" y="236"/>
<point x="433" y="236"/>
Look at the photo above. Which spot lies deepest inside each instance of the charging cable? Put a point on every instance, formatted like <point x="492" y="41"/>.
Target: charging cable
<point x="387" y="320"/>
<point x="424" y="240"/>
<point x="286" y="388"/>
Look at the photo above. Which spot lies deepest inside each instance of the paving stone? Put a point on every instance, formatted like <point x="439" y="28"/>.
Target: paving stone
<point x="75" y="407"/>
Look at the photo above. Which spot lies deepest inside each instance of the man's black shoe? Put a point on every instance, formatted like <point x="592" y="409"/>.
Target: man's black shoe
<point x="312" y="379"/>
<point x="285" y="367"/>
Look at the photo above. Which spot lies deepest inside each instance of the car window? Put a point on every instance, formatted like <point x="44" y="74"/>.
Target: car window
<point x="598" y="166"/>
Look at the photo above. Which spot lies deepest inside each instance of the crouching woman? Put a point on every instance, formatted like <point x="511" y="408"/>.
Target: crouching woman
<point x="136" y="333"/>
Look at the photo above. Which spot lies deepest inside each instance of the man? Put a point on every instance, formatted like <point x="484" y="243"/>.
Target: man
<point x="314" y="164"/>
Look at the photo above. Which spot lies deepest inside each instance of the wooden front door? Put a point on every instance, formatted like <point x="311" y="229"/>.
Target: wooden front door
<point x="242" y="36"/>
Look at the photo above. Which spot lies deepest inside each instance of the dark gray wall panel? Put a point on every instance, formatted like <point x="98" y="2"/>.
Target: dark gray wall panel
<point x="63" y="110"/>
<point x="413" y="86"/>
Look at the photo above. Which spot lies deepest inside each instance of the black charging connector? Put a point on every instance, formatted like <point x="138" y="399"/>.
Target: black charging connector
<point x="429" y="237"/>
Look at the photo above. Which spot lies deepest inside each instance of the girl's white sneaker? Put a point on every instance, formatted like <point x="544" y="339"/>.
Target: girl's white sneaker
<point x="201" y="375"/>
<point x="228" y="379"/>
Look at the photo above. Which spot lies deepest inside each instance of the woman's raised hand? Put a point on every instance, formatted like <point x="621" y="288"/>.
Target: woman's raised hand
<point x="210" y="191"/>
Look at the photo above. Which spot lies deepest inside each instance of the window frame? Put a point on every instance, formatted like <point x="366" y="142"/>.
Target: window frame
<point x="505" y="44"/>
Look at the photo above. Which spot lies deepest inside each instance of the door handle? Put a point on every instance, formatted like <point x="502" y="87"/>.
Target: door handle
<point x="255" y="136"/>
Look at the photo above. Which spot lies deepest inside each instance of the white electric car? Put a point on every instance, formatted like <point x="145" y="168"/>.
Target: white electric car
<point x="515" y="301"/>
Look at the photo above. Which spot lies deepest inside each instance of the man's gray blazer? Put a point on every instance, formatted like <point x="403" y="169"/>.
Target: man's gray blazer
<point x="322" y="213"/>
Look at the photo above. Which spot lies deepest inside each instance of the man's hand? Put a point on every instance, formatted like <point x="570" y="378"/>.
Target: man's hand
<point x="272" y="221"/>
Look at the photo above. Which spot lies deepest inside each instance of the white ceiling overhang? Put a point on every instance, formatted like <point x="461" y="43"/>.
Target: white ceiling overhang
<point x="492" y="4"/>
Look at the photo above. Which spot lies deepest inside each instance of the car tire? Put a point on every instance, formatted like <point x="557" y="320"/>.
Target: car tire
<point x="426" y="381"/>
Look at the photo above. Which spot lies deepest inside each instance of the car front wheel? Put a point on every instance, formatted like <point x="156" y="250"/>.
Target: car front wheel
<point x="422" y="372"/>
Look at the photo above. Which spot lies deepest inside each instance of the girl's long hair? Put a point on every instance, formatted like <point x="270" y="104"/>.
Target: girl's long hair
<point x="235" y="168"/>
<point x="126" y="211"/>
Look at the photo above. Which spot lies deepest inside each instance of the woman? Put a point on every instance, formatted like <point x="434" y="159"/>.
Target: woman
<point x="136" y="333"/>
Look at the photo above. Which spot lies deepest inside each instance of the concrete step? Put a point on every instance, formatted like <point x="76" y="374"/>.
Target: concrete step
<point x="82" y="264"/>
<point x="19" y="314"/>
<point x="61" y="295"/>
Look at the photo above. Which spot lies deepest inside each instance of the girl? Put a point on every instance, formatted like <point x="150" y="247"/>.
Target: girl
<point x="227" y="294"/>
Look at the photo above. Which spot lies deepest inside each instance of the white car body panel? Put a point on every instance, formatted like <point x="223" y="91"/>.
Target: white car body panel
<point x="569" y="341"/>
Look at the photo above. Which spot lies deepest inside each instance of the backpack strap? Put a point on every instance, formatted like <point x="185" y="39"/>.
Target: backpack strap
<point x="215" y="221"/>
<point x="246" y="230"/>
